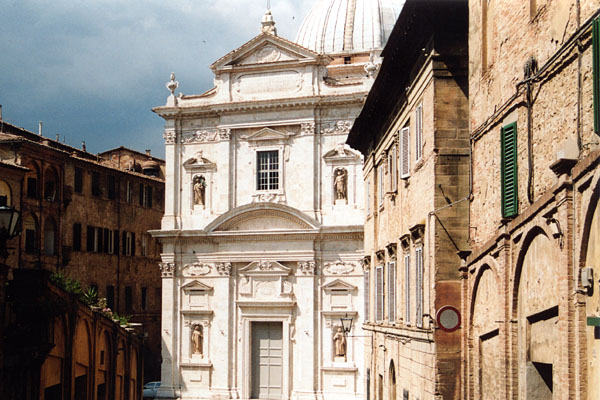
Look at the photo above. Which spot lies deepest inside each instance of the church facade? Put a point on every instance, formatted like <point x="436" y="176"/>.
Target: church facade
<point x="263" y="227"/>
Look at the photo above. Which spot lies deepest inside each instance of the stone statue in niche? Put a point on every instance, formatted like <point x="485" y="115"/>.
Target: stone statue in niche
<point x="339" y="339"/>
<point x="197" y="337"/>
<point x="340" y="184"/>
<point x="199" y="191"/>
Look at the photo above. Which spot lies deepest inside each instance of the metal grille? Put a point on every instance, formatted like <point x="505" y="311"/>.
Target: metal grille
<point x="267" y="170"/>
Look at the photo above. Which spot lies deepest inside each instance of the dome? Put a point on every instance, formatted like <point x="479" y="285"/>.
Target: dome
<point x="348" y="26"/>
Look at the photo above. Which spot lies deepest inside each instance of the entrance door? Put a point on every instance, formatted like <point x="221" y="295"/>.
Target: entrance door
<point x="267" y="357"/>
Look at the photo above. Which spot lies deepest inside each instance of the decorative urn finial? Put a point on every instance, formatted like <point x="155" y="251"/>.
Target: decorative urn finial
<point x="172" y="84"/>
<point x="268" y="23"/>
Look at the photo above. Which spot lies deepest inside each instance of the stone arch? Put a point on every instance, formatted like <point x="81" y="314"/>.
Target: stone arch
<point x="81" y="360"/>
<point x="31" y="232"/>
<point x="485" y="350"/>
<point x="50" y="236"/>
<point x="32" y="180"/>
<point x="535" y="309"/>
<point x="5" y="193"/>
<point x="103" y="364"/>
<point x="392" y="381"/>
<point x="51" y="186"/>
<point x="120" y="369"/>
<point x="52" y="371"/>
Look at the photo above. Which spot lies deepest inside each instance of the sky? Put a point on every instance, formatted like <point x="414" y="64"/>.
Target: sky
<point x="92" y="70"/>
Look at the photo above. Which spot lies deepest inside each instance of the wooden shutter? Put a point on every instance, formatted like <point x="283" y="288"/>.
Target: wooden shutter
<point x="133" y="244"/>
<point x="116" y="241"/>
<point x="509" y="170"/>
<point x="367" y="294"/>
<point x="404" y="153"/>
<point x="394" y="168"/>
<point x="419" y="285"/>
<point x="392" y="291"/>
<point x="596" y="72"/>
<point x="419" y="132"/>
<point x="407" y="288"/>
<point x="379" y="293"/>
<point x="90" y="238"/>
<point x="380" y="184"/>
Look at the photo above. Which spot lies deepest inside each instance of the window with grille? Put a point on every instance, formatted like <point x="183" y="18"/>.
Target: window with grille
<point x="508" y="137"/>
<point x="267" y="173"/>
<point x="392" y="291"/>
<point x="419" y="132"/>
<point x="407" y="288"/>
<point x="379" y="293"/>
<point x="419" y="285"/>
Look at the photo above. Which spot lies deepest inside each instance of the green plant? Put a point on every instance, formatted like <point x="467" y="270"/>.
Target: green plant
<point x="90" y="296"/>
<point x="67" y="284"/>
<point x="122" y="319"/>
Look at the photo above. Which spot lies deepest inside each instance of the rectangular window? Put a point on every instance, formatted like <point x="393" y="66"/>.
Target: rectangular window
<point x="405" y="153"/>
<point x="379" y="293"/>
<point x="392" y="291"/>
<point x="78" y="184"/>
<point x="128" y="299"/>
<point x="393" y="166"/>
<point x="112" y="187"/>
<point x="596" y="72"/>
<point x="147" y="201"/>
<point x="367" y="294"/>
<point x="32" y="188"/>
<point x="144" y="298"/>
<point x="509" y="171"/>
<point x="76" y="237"/>
<point x="380" y="185"/>
<point x="128" y="244"/>
<point x="90" y="238"/>
<point x="267" y="172"/>
<point x="96" y="191"/>
<point x="419" y="132"/>
<point x="109" y="241"/>
<point x="407" y="289"/>
<point x="115" y="241"/>
<point x="110" y="297"/>
<point x="419" y="285"/>
<point x="30" y="241"/>
<point x="128" y="192"/>
<point x="141" y="194"/>
<point x="98" y="240"/>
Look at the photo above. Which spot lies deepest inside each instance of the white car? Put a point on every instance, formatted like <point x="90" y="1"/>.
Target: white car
<point x="150" y="390"/>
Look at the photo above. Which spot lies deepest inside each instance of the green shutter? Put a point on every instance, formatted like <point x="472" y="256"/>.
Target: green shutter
<point x="596" y="77"/>
<point x="510" y="202"/>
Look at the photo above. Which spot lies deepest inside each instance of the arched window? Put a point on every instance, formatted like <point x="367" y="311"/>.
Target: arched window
<point x="50" y="237"/>
<point x="30" y="228"/>
<point x="5" y="194"/>
<point x="392" y="382"/>
<point x="31" y="180"/>
<point x="51" y="185"/>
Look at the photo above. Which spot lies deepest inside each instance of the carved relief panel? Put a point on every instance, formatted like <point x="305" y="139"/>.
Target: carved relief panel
<point x="264" y="280"/>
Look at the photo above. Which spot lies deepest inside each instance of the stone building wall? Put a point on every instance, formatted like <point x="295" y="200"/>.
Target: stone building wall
<point x="524" y="306"/>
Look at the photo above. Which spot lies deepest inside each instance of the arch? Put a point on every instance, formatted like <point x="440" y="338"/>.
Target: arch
<point x="50" y="236"/>
<point x="52" y="371"/>
<point x="51" y="186"/>
<point x="30" y="230"/>
<point x="392" y="381"/>
<point x="535" y="308"/>
<point x="245" y="218"/>
<point x="120" y="369"/>
<point x="103" y="364"/>
<point x="32" y="180"/>
<point x="81" y="359"/>
<point x="5" y="192"/>
<point x="133" y="373"/>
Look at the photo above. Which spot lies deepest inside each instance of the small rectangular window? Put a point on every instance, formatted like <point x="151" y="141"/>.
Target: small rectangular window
<point x="76" y="237"/>
<point x="379" y="293"/>
<point x="128" y="192"/>
<point x="128" y="299"/>
<point x="96" y="191"/>
<point x="267" y="171"/>
<point x="508" y="165"/>
<point x="32" y="188"/>
<point x="78" y="184"/>
<point x="419" y="132"/>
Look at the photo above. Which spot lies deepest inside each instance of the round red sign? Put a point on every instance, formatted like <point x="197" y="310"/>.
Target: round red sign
<point x="448" y="318"/>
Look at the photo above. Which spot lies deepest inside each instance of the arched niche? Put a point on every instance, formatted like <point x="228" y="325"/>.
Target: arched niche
<point x="81" y="360"/>
<point x="50" y="237"/>
<point x="51" y="374"/>
<point x="486" y="349"/>
<point x="536" y="312"/>
<point x="392" y="381"/>
<point x="5" y="193"/>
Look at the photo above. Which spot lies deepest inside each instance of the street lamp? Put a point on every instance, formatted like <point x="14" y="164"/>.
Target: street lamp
<point x="9" y="225"/>
<point x="346" y="323"/>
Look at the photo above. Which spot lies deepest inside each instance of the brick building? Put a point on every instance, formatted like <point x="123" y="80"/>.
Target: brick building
<point x="87" y="217"/>
<point x="413" y="132"/>
<point x="528" y="296"/>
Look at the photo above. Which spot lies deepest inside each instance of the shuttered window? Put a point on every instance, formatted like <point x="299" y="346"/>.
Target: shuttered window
<point x="596" y="70"/>
<point x="419" y="132"/>
<point x="393" y="165"/>
<point x="404" y="153"/>
<point x="368" y="197"/>
<point x="379" y="293"/>
<point x="407" y="288"/>
<point x="392" y="291"/>
<point x="367" y="294"/>
<point x="509" y="170"/>
<point x="419" y="285"/>
<point x="380" y="184"/>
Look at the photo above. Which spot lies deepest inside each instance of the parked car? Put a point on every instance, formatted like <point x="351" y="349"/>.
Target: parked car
<point x="150" y="390"/>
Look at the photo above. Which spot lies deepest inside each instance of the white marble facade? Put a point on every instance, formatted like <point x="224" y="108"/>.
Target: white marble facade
<point x="240" y="260"/>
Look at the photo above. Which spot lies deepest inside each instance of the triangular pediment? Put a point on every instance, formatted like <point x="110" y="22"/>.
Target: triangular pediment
<point x="339" y="284"/>
<point x="267" y="134"/>
<point x="199" y="162"/>
<point x="341" y="152"/>
<point x="264" y="49"/>
<point x="196" y="285"/>
<point x="265" y="268"/>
